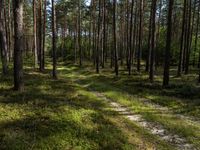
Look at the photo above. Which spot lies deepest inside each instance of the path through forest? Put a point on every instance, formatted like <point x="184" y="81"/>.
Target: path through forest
<point x="155" y="128"/>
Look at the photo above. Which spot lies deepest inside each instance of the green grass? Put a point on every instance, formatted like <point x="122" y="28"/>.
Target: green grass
<point x="128" y="90"/>
<point x="62" y="114"/>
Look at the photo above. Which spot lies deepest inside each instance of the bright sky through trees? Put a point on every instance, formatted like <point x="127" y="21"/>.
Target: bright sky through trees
<point x="88" y="2"/>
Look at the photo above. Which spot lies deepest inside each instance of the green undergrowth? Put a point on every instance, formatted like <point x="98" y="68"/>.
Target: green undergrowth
<point x="123" y="90"/>
<point x="62" y="114"/>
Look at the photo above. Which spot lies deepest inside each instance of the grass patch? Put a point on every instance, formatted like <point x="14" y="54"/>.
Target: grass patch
<point x="128" y="90"/>
<point x="62" y="114"/>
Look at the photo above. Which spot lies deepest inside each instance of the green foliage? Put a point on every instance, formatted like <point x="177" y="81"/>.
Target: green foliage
<point x="62" y="114"/>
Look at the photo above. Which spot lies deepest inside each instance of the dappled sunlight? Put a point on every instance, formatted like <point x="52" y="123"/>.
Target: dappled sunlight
<point x="57" y="114"/>
<point x="66" y="110"/>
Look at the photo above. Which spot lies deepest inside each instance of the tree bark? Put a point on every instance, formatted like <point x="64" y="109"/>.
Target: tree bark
<point x="18" y="45"/>
<point x="54" y="40"/>
<point x="79" y="33"/>
<point x="115" y="37"/>
<point x="3" y="40"/>
<point x="182" y="40"/>
<point x="44" y="35"/>
<point x="168" y="44"/>
<point x="140" y="35"/>
<point x="152" y="49"/>
<point x="35" y="34"/>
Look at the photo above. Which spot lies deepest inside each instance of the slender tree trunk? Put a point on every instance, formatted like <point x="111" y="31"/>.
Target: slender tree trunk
<point x="40" y="36"/>
<point x="185" y="36"/>
<point x="134" y="34"/>
<point x="18" y="45"/>
<point x="188" y="48"/>
<point x="98" y="38"/>
<point x="6" y="29"/>
<point x="35" y="34"/>
<point x="104" y="33"/>
<point x="152" y="60"/>
<point x="192" y="26"/>
<point x="168" y="44"/>
<point x="140" y="35"/>
<point x="3" y="42"/>
<point x="79" y="33"/>
<point x="90" y="34"/>
<point x="115" y="37"/>
<point x="44" y="35"/>
<point x="54" y="36"/>
<point x="76" y="39"/>
<point x="149" y="43"/>
<point x="196" y="35"/>
<point x="9" y="31"/>
<point x="182" y="41"/>
<point x="130" y="39"/>
<point x="127" y="33"/>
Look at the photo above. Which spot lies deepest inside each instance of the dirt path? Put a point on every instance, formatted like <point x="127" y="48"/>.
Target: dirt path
<point x="153" y="128"/>
<point x="189" y="119"/>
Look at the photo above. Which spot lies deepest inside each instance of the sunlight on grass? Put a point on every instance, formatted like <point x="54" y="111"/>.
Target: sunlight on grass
<point x="66" y="114"/>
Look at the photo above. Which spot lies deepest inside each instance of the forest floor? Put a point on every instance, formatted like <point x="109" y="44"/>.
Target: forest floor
<point x="85" y="110"/>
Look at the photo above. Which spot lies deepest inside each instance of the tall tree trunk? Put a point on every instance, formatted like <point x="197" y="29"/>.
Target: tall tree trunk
<point x="182" y="40"/>
<point x="18" y="45"/>
<point x="54" y="36"/>
<point x="152" y="49"/>
<point x="44" y="35"/>
<point x="98" y="38"/>
<point x="115" y="37"/>
<point x="130" y="39"/>
<point x="127" y="33"/>
<point x="6" y="28"/>
<point x="149" y="43"/>
<point x="10" y="51"/>
<point x="35" y="34"/>
<point x="196" y="35"/>
<point x="168" y="44"/>
<point x="79" y="33"/>
<point x="140" y="35"/>
<point x="3" y="42"/>
<point x="104" y="33"/>
<point x="40" y="36"/>
<point x="188" y="48"/>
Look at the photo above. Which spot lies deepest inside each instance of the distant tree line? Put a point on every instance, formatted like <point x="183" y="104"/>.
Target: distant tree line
<point x="139" y="35"/>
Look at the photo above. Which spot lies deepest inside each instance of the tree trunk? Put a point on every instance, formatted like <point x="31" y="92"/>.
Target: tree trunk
<point x="41" y="67"/>
<point x="98" y="38"/>
<point x="140" y="35"/>
<point x="18" y="45"/>
<point x="168" y="44"/>
<point x="115" y="37"/>
<point x="180" y="65"/>
<point x="130" y="39"/>
<point x="35" y="34"/>
<point x="3" y="42"/>
<point x="196" y="35"/>
<point x="188" y="48"/>
<point x="54" y="39"/>
<point x="44" y="36"/>
<point x="79" y="33"/>
<point x="152" y="49"/>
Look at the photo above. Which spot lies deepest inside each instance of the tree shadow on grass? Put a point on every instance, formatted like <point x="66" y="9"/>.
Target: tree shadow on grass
<point x="186" y="96"/>
<point x="42" y="130"/>
<point x="48" y="121"/>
